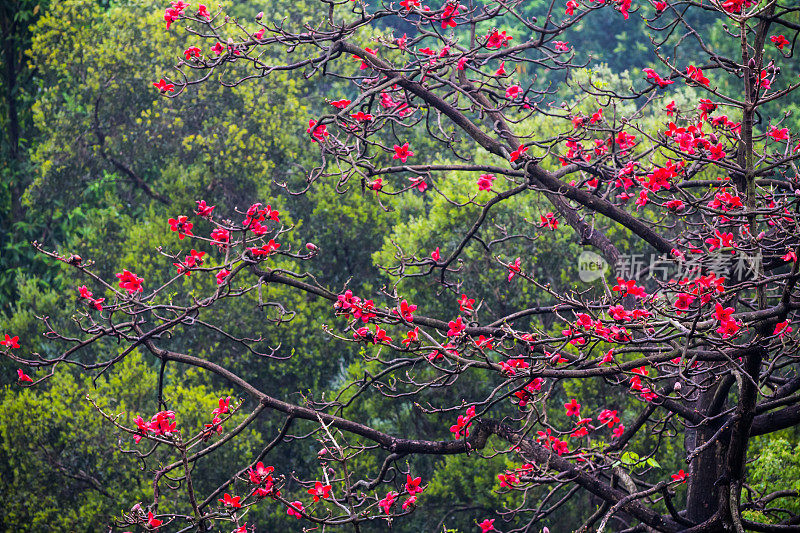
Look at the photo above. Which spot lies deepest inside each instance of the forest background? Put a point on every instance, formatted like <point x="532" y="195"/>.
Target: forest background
<point x="92" y="157"/>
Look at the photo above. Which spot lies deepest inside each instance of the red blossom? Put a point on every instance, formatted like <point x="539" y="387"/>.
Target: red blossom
<point x="130" y="282"/>
<point x="230" y="501"/>
<point x="402" y="152"/>
<point x="164" y="87"/>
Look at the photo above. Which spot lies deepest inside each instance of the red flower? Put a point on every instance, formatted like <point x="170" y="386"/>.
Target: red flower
<point x="408" y="4"/>
<point x="465" y="304"/>
<point x="412" y="484"/>
<point x="608" y="417"/>
<point x="695" y="74"/>
<point x="222" y="275"/>
<point x="231" y="501"/>
<point x="501" y="71"/>
<point x="629" y="288"/>
<point x="411" y="336"/>
<point x="218" y="48"/>
<point x="341" y="104"/>
<point x="513" y="268"/>
<point x="561" y="46"/>
<point x="680" y="476"/>
<point x="683" y="302"/>
<point x="129" y="282"/>
<point x="224" y="403"/>
<point x="152" y="521"/>
<point x="182" y="226"/>
<point x="448" y="15"/>
<point x="164" y="87"/>
<point x="361" y="116"/>
<point x="318" y="133"/>
<point x="261" y="474"/>
<point x="190" y="52"/>
<point x="387" y="502"/>
<point x="10" y="342"/>
<point x="295" y="508"/>
<point x="513" y="91"/>
<point x="320" y="491"/>
<point x="571" y="5"/>
<point x="419" y="183"/>
<point x="487" y="525"/>
<point x="485" y="182"/>
<point x="779" y="40"/>
<point x="619" y="430"/>
<point x="573" y="408"/>
<point x="203" y="210"/>
<point x="497" y="39"/>
<point x="220" y="237"/>
<point x="170" y="16"/>
<point x="548" y="221"/>
<point x="202" y="11"/>
<point x="412" y="501"/>
<point x="778" y="134"/>
<point x="435" y="254"/>
<point x="657" y="80"/>
<point x="781" y="329"/>
<point x="517" y="153"/>
<point x="507" y="480"/>
<point x="402" y="152"/>
<point x="22" y="376"/>
<point x="456" y="327"/>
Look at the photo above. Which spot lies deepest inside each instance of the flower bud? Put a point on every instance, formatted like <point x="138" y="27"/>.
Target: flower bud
<point x="311" y="246"/>
<point x="260" y="15"/>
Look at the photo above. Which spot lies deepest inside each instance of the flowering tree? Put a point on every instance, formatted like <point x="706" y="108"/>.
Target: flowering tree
<point x="692" y="166"/>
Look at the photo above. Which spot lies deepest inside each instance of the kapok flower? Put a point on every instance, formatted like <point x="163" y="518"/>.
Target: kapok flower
<point x="485" y="182"/>
<point x="164" y="87"/>
<point x="548" y="221"/>
<point x="22" y="376"/>
<point x="778" y="134"/>
<point x="222" y="275"/>
<point x="410" y="502"/>
<point x="191" y="52"/>
<point x="487" y="525"/>
<point x="402" y="152"/>
<point x="152" y="521"/>
<point x="680" y="476"/>
<point x="130" y="282"/>
<point x="224" y="404"/>
<point x="203" y="210"/>
<point x="456" y="327"/>
<point x="781" y="329"/>
<point x="696" y="75"/>
<point x="10" y="342"/>
<point x="295" y="509"/>
<point x="412" y="484"/>
<point x="573" y="408"/>
<point x="320" y="491"/>
<point x="514" y="268"/>
<point x="779" y="40"/>
<point x="517" y="153"/>
<point x="497" y="39"/>
<point x="230" y="501"/>
<point x="465" y="304"/>
<point x="387" y="502"/>
<point x="182" y="226"/>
